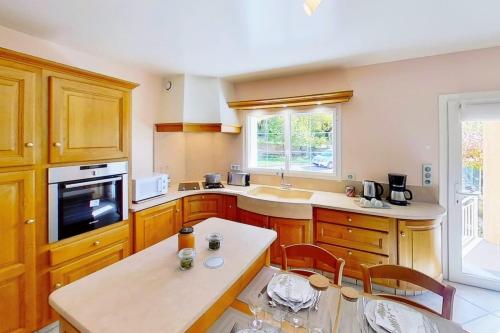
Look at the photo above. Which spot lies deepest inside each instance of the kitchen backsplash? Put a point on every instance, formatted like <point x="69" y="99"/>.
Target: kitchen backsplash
<point x="420" y="193"/>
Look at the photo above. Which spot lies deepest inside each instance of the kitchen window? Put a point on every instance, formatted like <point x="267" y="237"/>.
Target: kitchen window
<point x="301" y="141"/>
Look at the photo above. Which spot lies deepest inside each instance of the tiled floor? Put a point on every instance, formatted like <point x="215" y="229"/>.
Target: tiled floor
<point x="476" y="309"/>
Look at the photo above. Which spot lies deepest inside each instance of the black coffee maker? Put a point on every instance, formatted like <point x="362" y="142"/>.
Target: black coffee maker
<point x="398" y="194"/>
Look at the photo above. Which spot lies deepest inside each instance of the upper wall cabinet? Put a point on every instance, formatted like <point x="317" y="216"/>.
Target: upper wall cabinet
<point x="18" y="98"/>
<point x="87" y="121"/>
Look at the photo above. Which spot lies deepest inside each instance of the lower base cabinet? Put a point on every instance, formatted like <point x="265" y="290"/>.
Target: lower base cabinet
<point x="419" y="247"/>
<point x="290" y="231"/>
<point x="198" y="207"/>
<point x="156" y="224"/>
<point x="251" y="218"/>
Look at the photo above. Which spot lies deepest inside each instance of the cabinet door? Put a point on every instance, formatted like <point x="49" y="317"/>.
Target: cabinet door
<point x="157" y="223"/>
<point x="202" y="206"/>
<point x="230" y="208"/>
<point x="17" y="254"/>
<point x="80" y="268"/>
<point x="290" y="231"/>
<point x="87" y="121"/>
<point x="18" y="93"/>
<point x="254" y="219"/>
<point x="420" y="247"/>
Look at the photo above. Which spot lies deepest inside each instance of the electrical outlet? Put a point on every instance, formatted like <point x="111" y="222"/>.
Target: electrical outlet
<point x="427" y="175"/>
<point x="350" y="176"/>
<point x="235" y="167"/>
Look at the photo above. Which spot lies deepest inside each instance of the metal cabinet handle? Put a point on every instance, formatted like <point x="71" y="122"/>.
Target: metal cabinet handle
<point x="30" y="221"/>
<point x="403" y="234"/>
<point x="177" y="210"/>
<point x="349" y="219"/>
<point x="29" y="144"/>
<point x="57" y="144"/>
<point x="97" y="243"/>
<point x="349" y="253"/>
<point x="203" y="197"/>
<point x="230" y="206"/>
<point x="349" y="230"/>
<point x="58" y="285"/>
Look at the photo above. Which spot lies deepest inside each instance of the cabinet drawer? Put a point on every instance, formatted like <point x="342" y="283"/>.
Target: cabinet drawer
<point x="353" y="259"/>
<point x="355" y="238"/>
<point x="352" y="219"/>
<point x="89" y="244"/>
<point x="80" y="268"/>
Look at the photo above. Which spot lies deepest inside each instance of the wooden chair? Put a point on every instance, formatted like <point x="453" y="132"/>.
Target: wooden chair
<point x="315" y="253"/>
<point x="412" y="276"/>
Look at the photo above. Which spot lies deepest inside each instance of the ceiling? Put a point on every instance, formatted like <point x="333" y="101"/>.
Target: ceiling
<point x="255" y="38"/>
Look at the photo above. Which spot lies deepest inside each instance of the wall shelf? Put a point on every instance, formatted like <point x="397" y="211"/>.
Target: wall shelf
<point x="197" y="127"/>
<point x="305" y="100"/>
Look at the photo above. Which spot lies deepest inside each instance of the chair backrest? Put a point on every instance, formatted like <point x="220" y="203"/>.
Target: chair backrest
<point x="315" y="253"/>
<point x="414" y="277"/>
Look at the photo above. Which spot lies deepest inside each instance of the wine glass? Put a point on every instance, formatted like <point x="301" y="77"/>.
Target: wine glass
<point x="256" y="304"/>
<point x="296" y="320"/>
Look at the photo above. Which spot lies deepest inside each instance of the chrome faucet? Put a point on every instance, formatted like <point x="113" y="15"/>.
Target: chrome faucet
<point x="283" y="185"/>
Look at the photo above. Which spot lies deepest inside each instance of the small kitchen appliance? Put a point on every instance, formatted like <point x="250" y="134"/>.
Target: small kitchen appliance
<point x="238" y="178"/>
<point x="86" y="197"/>
<point x="398" y="193"/>
<point x="372" y="190"/>
<point x="149" y="187"/>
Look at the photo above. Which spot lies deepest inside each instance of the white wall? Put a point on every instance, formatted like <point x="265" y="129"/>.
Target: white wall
<point x="145" y="98"/>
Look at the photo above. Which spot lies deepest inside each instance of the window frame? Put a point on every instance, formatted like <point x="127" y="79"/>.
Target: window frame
<point x="287" y="112"/>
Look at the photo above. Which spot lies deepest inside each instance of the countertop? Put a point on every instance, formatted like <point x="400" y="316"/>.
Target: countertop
<point x="414" y="211"/>
<point x="146" y="292"/>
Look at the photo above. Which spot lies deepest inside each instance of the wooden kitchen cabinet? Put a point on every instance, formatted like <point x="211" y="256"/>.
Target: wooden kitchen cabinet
<point x="17" y="254"/>
<point x="196" y="208"/>
<point x="88" y="120"/>
<point x="19" y="93"/>
<point x="290" y="231"/>
<point x="230" y="207"/>
<point x="257" y="220"/>
<point x="157" y="223"/>
<point x="419" y="247"/>
<point x="92" y="263"/>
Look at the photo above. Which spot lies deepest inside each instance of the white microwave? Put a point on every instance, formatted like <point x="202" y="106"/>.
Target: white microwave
<point x="148" y="187"/>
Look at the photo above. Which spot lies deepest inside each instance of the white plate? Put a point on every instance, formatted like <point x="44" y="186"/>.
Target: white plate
<point x="307" y="293"/>
<point x="214" y="262"/>
<point x="417" y="322"/>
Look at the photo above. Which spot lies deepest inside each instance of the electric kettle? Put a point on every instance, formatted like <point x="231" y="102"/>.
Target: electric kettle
<point x="372" y="190"/>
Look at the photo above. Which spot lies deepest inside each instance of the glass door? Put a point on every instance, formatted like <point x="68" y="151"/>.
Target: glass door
<point x="474" y="193"/>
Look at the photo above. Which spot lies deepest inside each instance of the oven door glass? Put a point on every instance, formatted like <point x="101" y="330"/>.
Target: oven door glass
<point x="89" y="205"/>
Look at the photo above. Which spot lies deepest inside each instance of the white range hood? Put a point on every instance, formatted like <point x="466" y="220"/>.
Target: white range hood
<point x="197" y="104"/>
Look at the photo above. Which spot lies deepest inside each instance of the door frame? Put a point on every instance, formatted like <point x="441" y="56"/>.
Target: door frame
<point x="444" y="101"/>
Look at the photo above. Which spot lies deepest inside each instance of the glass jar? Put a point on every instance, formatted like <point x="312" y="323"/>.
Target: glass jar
<point x="186" y="238"/>
<point x="214" y="240"/>
<point x="186" y="257"/>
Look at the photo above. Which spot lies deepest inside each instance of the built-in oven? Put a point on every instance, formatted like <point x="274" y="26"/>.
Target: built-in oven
<point x="86" y="197"/>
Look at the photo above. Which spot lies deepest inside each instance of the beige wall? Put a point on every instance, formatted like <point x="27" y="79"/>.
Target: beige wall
<point x="145" y="98"/>
<point x="189" y="156"/>
<point x="391" y="123"/>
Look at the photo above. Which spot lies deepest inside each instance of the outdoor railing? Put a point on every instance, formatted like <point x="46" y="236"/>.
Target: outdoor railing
<point x="470" y="210"/>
